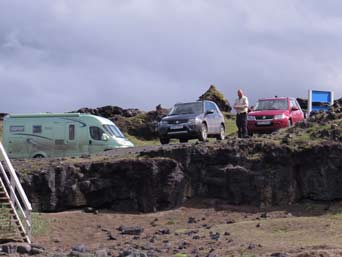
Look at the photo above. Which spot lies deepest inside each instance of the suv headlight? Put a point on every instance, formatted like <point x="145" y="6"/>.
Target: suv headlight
<point x="193" y="121"/>
<point x="163" y="122"/>
<point x="279" y="116"/>
<point x="250" y="117"/>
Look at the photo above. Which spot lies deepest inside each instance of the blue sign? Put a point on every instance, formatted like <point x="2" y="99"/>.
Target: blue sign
<point x="320" y="100"/>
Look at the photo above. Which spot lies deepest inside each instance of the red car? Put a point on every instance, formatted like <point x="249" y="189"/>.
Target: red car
<point x="270" y="114"/>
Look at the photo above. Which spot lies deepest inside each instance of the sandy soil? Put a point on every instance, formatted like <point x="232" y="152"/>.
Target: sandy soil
<point x="202" y="227"/>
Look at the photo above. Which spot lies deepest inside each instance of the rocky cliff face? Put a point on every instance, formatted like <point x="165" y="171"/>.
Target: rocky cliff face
<point x="255" y="172"/>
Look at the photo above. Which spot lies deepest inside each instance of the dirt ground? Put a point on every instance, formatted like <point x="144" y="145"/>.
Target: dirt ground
<point x="202" y="227"/>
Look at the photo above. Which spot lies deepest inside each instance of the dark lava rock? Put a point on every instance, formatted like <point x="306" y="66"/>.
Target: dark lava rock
<point x="214" y="236"/>
<point x="131" y="230"/>
<point x="110" y="111"/>
<point x="183" y="245"/>
<point x="111" y="236"/>
<point x="163" y="231"/>
<point x="158" y="185"/>
<point x="251" y="246"/>
<point x="278" y="255"/>
<point x="192" y="220"/>
<point x="238" y="172"/>
<point x="212" y="94"/>
<point x="230" y="221"/>
<point x="80" y="248"/>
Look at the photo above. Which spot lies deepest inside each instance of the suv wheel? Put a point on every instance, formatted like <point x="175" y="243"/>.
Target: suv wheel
<point x="204" y="133"/>
<point x="164" y="140"/>
<point x="222" y="134"/>
<point x="289" y="123"/>
<point x="183" y="140"/>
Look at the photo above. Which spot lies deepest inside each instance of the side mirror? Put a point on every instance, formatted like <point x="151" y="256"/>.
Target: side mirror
<point x="294" y="108"/>
<point x="209" y="112"/>
<point x="104" y="137"/>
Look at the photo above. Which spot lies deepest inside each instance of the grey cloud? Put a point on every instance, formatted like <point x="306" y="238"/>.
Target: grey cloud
<point x="63" y="55"/>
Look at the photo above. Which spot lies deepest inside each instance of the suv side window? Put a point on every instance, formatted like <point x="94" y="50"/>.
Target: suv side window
<point x="213" y="107"/>
<point x="207" y="106"/>
<point x="96" y="133"/>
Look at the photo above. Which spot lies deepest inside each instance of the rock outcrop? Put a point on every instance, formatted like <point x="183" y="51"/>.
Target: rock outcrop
<point x="110" y="111"/>
<point x="134" y="122"/>
<point x="127" y="185"/>
<point x="255" y="172"/>
<point x="212" y="94"/>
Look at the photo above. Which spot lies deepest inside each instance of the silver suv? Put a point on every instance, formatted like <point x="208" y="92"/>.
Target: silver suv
<point x="201" y="119"/>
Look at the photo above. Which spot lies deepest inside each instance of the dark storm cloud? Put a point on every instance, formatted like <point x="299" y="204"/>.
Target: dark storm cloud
<point x="63" y="55"/>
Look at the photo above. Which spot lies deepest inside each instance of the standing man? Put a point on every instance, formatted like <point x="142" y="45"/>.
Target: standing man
<point x="241" y="107"/>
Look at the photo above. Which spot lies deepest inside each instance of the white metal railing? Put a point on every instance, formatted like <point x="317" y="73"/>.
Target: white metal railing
<point x="16" y="194"/>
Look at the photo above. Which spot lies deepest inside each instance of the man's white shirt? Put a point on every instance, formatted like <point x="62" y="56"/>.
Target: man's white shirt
<point x="243" y="102"/>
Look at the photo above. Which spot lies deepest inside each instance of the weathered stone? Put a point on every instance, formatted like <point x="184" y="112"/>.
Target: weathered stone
<point x="131" y="230"/>
<point x="79" y="248"/>
<point x="101" y="253"/>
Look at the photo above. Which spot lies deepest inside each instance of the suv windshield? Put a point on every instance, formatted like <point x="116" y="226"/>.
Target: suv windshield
<point x="113" y="131"/>
<point x="274" y="104"/>
<point x="187" y="108"/>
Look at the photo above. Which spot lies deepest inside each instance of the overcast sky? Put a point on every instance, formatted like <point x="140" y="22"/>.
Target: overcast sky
<point x="66" y="54"/>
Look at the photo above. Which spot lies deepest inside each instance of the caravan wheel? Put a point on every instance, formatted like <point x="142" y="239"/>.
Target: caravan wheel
<point x="38" y="156"/>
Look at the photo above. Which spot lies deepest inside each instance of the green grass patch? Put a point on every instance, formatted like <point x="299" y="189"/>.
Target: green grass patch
<point x="139" y="142"/>
<point x="40" y="224"/>
<point x="180" y="255"/>
<point x="337" y="215"/>
<point x="182" y="231"/>
<point x="280" y="231"/>
<point x="171" y="222"/>
<point x="230" y="125"/>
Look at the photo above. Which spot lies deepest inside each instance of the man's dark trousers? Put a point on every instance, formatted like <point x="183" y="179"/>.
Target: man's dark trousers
<point x="241" y="123"/>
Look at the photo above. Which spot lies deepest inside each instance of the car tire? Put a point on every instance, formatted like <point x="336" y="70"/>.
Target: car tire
<point x="222" y="134"/>
<point x="183" y="140"/>
<point x="203" y="136"/>
<point x="38" y="156"/>
<point x="289" y="123"/>
<point x="164" y="140"/>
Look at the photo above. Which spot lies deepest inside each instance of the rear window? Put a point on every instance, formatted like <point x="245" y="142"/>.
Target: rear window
<point x="274" y="104"/>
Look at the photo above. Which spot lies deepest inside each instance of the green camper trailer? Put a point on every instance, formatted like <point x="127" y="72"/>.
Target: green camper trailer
<point x="59" y="135"/>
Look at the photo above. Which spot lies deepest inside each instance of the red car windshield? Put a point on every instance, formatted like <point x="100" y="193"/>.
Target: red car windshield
<point x="272" y="104"/>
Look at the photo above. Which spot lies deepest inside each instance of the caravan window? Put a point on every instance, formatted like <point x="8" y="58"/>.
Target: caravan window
<point x="71" y="132"/>
<point x="37" y="129"/>
<point x="96" y="133"/>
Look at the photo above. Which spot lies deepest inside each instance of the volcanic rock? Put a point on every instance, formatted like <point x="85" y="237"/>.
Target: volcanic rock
<point x="212" y="94"/>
